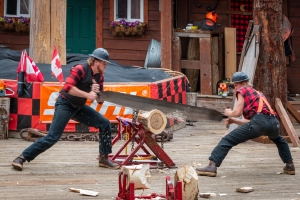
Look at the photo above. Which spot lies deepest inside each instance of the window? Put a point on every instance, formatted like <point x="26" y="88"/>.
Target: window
<point x="17" y="8"/>
<point x="130" y="10"/>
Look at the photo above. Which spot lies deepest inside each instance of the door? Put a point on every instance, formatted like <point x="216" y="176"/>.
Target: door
<point x="81" y="26"/>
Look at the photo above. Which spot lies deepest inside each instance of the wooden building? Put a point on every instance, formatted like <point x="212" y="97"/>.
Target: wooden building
<point x="87" y="27"/>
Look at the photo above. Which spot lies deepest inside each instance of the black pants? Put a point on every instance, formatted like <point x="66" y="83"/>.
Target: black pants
<point x="259" y="125"/>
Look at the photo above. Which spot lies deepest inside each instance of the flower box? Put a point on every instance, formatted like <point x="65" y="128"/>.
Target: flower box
<point x="123" y="28"/>
<point x="15" y="24"/>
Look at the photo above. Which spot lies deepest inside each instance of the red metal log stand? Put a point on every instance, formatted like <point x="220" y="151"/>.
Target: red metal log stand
<point x="172" y="193"/>
<point x="140" y="138"/>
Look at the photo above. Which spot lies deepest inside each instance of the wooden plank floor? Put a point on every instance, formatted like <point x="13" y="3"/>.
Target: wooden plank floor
<point x="74" y="164"/>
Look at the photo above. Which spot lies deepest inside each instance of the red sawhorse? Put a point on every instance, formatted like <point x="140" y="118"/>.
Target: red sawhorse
<point x="172" y="193"/>
<point x="141" y="139"/>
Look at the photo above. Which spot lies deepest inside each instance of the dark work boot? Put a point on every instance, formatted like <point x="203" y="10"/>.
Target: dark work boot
<point x="105" y="162"/>
<point x="289" y="168"/>
<point x="18" y="162"/>
<point x="209" y="170"/>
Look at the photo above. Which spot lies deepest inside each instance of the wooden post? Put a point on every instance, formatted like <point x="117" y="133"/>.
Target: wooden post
<point x="166" y="26"/>
<point x="230" y="52"/>
<point x="205" y="66"/>
<point x="47" y="28"/>
<point x="176" y="55"/>
<point x="58" y="29"/>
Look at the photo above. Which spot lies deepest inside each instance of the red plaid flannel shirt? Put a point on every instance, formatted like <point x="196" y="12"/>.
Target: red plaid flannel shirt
<point x="251" y="100"/>
<point x="76" y="74"/>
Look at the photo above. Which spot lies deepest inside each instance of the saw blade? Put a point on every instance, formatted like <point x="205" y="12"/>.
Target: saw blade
<point x="141" y="103"/>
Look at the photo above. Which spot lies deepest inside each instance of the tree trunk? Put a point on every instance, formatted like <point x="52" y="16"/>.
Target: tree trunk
<point x="271" y="74"/>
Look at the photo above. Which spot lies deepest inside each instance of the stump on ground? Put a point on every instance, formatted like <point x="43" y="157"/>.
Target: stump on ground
<point x="189" y="179"/>
<point x="137" y="174"/>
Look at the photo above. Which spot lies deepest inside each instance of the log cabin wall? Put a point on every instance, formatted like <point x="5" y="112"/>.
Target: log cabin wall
<point x="293" y="69"/>
<point x="131" y="50"/>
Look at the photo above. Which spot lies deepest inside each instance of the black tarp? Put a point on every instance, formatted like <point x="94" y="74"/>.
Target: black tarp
<point x="9" y="60"/>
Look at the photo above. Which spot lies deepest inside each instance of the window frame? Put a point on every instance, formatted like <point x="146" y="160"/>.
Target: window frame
<point x="144" y="11"/>
<point x="18" y="9"/>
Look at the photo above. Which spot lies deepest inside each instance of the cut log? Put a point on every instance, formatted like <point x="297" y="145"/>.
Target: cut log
<point x="137" y="174"/>
<point x="154" y="121"/>
<point x="189" y="178"/>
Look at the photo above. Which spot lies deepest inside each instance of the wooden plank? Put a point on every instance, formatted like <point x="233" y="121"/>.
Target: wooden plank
<point x="202" y="34"/>
<point x="287" y="122"/>
<point x="99" y="23"/>
<point x="190" y="64"/>
<point x="146" y="10"/>
<point x="40" y="49"/>
<point x="230" y="51"/>
<point x="166" y="17"/>
<point x="1" y="7"/>
<point x="205" y="66"/>
<point x="58" y="29"/>
<point x="176" y="55"/>
<point x="111" y="10"/>
<point x="292" y="110"/>
<point x="249" y="30"/>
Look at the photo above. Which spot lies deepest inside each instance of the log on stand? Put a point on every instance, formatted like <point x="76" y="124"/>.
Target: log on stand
<point x="137" y="174"/>
<point x="189" y="178"/>
<point x="153" y="121"/>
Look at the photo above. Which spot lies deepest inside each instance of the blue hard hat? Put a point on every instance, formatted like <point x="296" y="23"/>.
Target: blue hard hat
<point x="240" y="77"/>
<point x="100" y="54"/>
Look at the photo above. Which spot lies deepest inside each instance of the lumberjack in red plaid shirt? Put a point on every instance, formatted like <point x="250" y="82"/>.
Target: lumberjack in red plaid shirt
<point x="260" y="119"/>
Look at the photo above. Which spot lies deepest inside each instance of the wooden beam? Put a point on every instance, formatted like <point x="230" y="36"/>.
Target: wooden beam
<point x="146" y="11"/>
<point x="287" y="122"/>
<point x="205" y="66"/>
<point x="176" y="54"/>
<point x="111" y="10"/>
<point x="230" y="51"/>
<point x="1" y="7"/>
<point x="99" y="23"/>
<point x="166" y="26"/>
<point x="293" y="111"/>
<point x="58" y="29"/>
<point x="40" y="32"/>
<point x="190" y="64"/>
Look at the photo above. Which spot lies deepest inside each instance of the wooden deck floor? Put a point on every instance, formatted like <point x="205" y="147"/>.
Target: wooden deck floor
<point x="74" y="164"/>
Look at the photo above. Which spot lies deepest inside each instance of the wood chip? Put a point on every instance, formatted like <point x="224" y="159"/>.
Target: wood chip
<point x="207" y="195"/>
<point x="245" y="189"/>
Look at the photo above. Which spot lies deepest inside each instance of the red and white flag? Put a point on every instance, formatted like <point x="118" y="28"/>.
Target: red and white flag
<point x="33" y="73"/>
<point x="56" y="66"/>
<point x="22" y="64"/>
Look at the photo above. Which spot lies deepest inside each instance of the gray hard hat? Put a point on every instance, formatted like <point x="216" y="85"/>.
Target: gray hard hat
<point x="239" y="77"/>
<point x="100" y="54"/>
